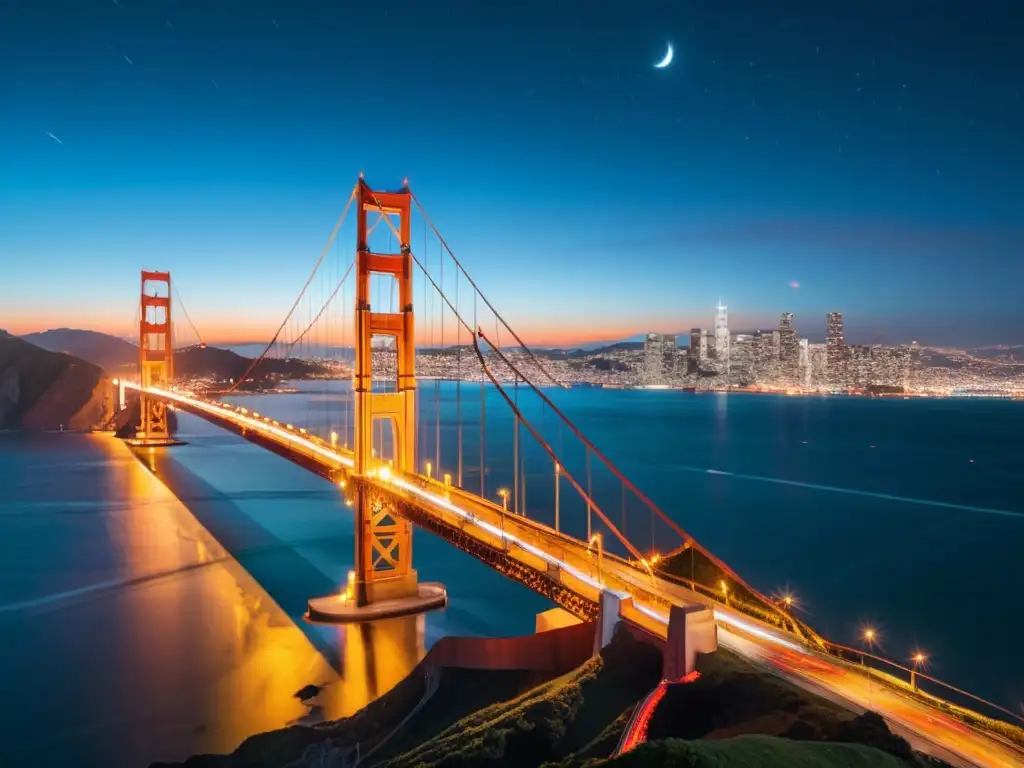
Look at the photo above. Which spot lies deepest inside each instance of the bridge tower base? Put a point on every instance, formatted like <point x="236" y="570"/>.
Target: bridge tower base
<point x="156" y="361"/>
<point x="383" y="583"/>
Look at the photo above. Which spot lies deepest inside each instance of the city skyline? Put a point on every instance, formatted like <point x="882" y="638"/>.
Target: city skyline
<point x="864" y="333"/>
<point x="809" y="168"/>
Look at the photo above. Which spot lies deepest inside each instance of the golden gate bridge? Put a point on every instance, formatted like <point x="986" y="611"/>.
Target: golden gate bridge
<point x="584" y="533"/>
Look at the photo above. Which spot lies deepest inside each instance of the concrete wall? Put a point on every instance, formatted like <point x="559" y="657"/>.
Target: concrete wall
<point x="556" y="618"/>
<point x="691" y="630"/>
<point x="556" y="650"/>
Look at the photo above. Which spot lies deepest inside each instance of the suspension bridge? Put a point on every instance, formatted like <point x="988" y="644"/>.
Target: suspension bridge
<point x="457" y="453"/>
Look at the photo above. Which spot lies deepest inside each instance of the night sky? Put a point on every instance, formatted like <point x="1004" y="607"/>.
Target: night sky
<point x="869" y="152"/>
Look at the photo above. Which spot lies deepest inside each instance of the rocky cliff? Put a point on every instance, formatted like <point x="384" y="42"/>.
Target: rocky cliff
<point x="50" y="390"/>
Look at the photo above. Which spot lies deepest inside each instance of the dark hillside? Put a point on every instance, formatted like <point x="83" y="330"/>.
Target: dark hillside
<point x="40" y="389"/>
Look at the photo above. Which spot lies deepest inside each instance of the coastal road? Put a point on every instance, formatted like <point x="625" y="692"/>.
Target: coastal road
<point x="926" y="729"/>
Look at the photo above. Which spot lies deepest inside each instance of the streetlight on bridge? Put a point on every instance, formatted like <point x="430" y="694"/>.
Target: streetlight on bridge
<point x="503" y="492"/>
<point x="919" y="659"/>
<point x="596" y="539"/>
<point x="558" y="477"/>
<point x="868" y="636"/>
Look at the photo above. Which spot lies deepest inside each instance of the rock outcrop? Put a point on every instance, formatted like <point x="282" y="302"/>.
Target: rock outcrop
<point x="50" y="390"/>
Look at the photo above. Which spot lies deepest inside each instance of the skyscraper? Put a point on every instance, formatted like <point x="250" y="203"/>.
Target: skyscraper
<point x="722" y="337"/>
<point x="835" y="348"/>
<point x="659" y="351"/>
<point x="698" y="346"/>
<point x="789" y="345"/>
<point x="805" y="363"/>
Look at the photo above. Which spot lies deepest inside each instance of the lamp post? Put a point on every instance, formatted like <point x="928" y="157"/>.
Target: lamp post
<point x="558" y="478"/>
<point x="918" y="659"/>
<point x="429" y="467"/>
<point x="868" y="635"/>
<point x="503" y="492"/>
<point x="596" y="539"/>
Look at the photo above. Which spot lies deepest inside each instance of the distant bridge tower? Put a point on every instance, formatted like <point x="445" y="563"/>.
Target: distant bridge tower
<point x="156" y="355"/>
<point x="383" y="540"/>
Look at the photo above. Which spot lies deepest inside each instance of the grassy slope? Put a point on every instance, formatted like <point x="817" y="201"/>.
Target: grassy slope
<point x="460" y="693"/>
<point x="549" y="722"/>
<point x="732" y="696"/>
<point x="751" y="752"/>
<point x="464" y="692"/>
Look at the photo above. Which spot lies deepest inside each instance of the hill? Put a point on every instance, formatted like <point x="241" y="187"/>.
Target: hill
<point x="40" y="389"/>
<point x="223" y="365"/>
<point x="108" y="352"/>
<point x="113" y="355"/>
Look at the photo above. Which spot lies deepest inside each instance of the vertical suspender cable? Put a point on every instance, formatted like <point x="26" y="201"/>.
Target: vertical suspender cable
<point x="419" y="391"/>
<point x="483" y="416"/>
<point x="458" y="380"/>
<point x="623" y="487"/>
<point x="522" y="475"/>
<point x="515" y="449"/>
<point x="590" y="495"/>
<point x="437" y="379"/>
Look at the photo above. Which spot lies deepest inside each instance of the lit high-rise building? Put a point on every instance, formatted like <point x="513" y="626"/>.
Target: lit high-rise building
<point x="659" y="355"/>
<point x="817" y="355"/>
<point x="805" y="363"/>
<point x="789" y="345"/>
<point x="698" y="345"/>
<point x="722" y="337"/>
<point x="835" y="346"/>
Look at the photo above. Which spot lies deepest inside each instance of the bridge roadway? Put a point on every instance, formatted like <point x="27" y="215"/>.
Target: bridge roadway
<point x="571" y="574"/>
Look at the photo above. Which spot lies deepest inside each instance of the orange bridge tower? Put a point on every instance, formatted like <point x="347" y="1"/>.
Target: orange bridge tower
<point x="383" y="541"/>
<point x="156" y="356"/>
<point x="383" y="582"/>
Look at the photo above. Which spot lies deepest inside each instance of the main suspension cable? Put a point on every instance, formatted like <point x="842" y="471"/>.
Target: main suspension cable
<point x="290" y="344"/>
<point x="544" y="444"/>
<point x="323" y="253"/>
<point x="184" y="311"/>
<point x="536" y="360"/>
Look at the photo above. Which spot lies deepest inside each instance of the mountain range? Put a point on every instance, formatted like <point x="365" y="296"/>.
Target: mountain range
<point x="115" y="355"/>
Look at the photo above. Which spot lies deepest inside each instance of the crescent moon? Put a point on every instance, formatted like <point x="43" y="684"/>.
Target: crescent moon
<point x="667" y="60"/>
